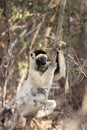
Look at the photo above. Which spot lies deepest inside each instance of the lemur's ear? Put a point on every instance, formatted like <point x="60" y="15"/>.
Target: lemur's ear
<point x="32" y="55"/>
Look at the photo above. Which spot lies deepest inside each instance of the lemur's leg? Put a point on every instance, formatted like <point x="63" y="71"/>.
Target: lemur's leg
<point x="47" y="109"/>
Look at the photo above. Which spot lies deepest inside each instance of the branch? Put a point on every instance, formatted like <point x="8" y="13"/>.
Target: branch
<point x="60" y="20"/>
<point x="37" y="32"/>
<point x="39" y="27"/>
<point x="59" y="28"/>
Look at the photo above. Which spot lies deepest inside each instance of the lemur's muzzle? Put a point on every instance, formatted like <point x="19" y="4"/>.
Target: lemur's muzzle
<point x="41" y="61"/>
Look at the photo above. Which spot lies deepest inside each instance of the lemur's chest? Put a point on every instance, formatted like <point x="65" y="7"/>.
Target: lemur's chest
<point x="42" y="69"/>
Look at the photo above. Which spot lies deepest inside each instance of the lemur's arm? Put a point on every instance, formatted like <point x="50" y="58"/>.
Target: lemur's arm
<point x="45" y="79"/>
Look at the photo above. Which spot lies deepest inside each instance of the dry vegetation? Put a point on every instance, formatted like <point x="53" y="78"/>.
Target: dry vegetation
<point x="30" y="23"/>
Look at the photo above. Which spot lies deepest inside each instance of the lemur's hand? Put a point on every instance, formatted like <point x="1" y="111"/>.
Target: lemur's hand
<point x="56" y="48"/>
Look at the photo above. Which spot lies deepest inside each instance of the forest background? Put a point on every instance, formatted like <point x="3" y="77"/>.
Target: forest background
<point x="28" y="23"/>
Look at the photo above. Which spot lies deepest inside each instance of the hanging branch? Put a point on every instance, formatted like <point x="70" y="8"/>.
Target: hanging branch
<point x="59" y="32"/>
<point x="5" y="12"/>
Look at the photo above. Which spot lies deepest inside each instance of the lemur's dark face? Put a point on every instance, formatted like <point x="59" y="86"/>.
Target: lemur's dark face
<point x="40" y="57"/>
<point x="40" y="61"/>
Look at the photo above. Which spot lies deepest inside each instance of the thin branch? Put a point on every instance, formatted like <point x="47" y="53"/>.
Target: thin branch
<point x="37" y="124"/>
<point x="39" y="27"/>
<point x="16" y="116"/>
<point x="5" y="86"/>
<point x="80" y="65"/>
<point x="28" y="122"/>
<point x="37" y="32"/>
<point x="60" y="20"/>
<point x="5" y="10"/>
<point x="22" y="80"/>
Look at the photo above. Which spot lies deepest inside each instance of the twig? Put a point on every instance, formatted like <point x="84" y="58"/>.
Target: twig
<point x="79" y="64"/>
<point x="37" y="32"/>
<point x="28" y="122"/>
<point x="39" y="27"/>
<point x="54" y="127"/>
<point x="6" y="106"/>
<point x="37" y="124"/>
<point x="48" y="30"/>
<point x="13" y="28"/>
<point x="5" y="86"/>
<point x="22" y="34"/>
<point x="31" y="31"/>
<point x="10" y="50"/>
<point x="22" y="80"/>
<point x="16" y="116"/>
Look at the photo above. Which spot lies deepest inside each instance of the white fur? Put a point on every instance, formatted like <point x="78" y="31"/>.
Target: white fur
<point x="28" y="100"/>
<point x="62" y="67"/>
